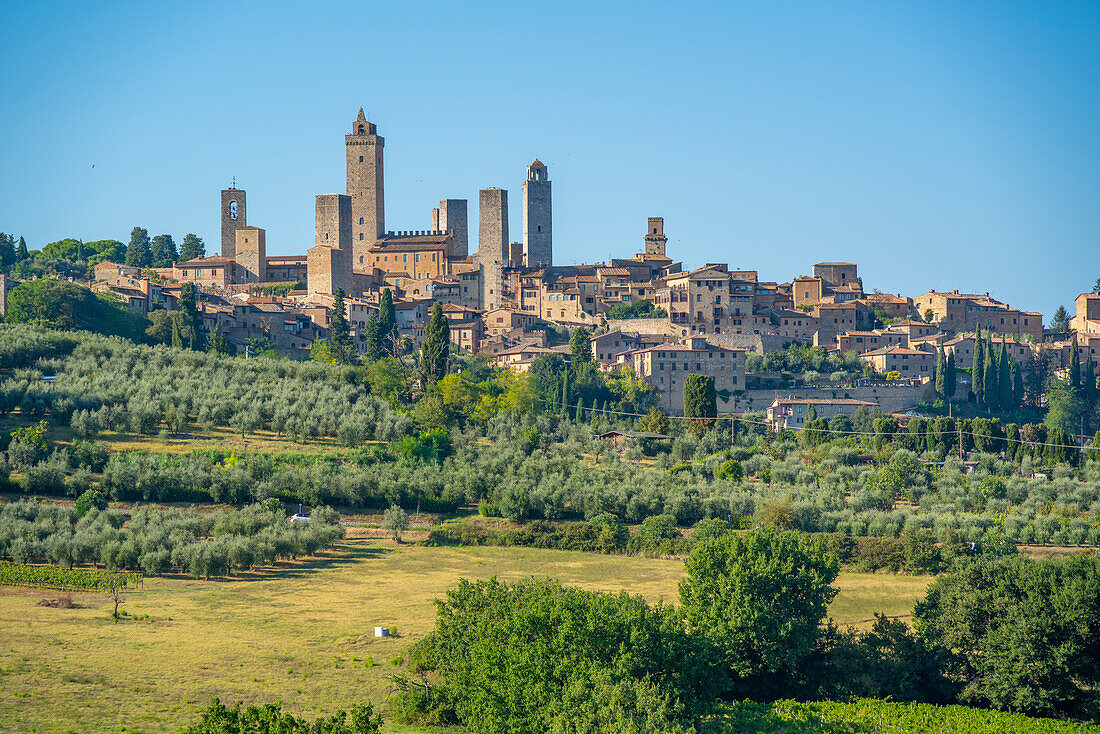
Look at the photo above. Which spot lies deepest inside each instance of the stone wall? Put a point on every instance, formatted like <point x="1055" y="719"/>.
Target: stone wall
<point x="251" y="254"/>
<point x="329" y="263"/>
<point x="890" y="398"/>
<point x="453" y="216"/>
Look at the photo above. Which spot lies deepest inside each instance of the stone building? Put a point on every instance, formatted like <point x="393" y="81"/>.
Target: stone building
<point x="234" y="216"/>
<point x="452" y="216"/>
<point x="837" y="274"/>
<point x="1086" y="319"/>
<point x="329" y="261"/>
<point x="792" y="413"/>
<point x="251" y="257"/>
<point x="212" y="272"/>
<point x="366" y="187"/>
<point x="666" y="366"/>
<point x="955" y="312"/>
<point x="538" y="247"/>
<point x="907" y="362"/>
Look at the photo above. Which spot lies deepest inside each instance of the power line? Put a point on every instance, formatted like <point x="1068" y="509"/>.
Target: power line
<point x="736" y="417"/>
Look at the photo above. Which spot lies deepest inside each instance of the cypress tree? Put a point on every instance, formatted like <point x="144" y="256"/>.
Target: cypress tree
<point x="977" y="370"/>
<point x="565" y="392"/>
<point x="951" y="380"/>
<point x="579" y="416"/>
<point x="941" y="374"/>
<point x="435" y="353"/>
<point x="192" y="318"/>
<point x="21" y="252"/>
<point x="1004" y="379"/>
<point x="1088" y="386"/>
<point x="1017" y="385"/>
<point x="339" y="331"/>
<point x="1074" y="365"/>
<point x="177" y="337"/>
<point x="989" y="377"/>
<point x="387" y="324"/>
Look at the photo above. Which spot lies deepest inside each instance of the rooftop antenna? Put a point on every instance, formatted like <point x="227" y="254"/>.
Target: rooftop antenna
<point x="233" y="183"/>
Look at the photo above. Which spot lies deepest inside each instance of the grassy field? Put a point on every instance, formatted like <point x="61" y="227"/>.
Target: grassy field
<point x="303" y="634"/>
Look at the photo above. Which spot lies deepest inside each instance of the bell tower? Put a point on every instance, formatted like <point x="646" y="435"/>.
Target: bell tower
<point x="233" y="218"/>
<point x="365" y="187"/>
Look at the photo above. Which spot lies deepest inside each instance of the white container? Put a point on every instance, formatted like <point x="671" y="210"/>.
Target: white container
<point x="381" y="632"/>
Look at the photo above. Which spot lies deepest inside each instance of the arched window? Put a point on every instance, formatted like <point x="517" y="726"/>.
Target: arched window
<point x="360" y="235"/>
<point x="540" y="228"/>
<point x="233" y="210"/>
<point x="360" y="220"/>
<point x="360" y="157"/>
<point x="362" y="129"/>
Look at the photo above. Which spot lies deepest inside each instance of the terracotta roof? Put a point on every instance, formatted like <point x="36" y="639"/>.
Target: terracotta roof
<point x="821" y="401"/>
<point x="205" y="261"/>
<point x="893" y="350"/>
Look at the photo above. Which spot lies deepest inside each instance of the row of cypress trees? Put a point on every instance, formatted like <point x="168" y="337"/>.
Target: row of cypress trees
<point x="997" y="382"/>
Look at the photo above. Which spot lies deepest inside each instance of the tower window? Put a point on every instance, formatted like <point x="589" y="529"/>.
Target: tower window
<point x="360" y="157"/>
<point x="360" y="235"/>
<point x="360" y="220"/>
<point x="362" y="130"/>
<point x="540" y="228"/>
<point x="233" y="210"/>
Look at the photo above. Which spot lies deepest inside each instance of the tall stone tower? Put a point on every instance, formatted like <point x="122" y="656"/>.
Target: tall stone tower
<point x="492" y="244"/>
<point x="538" y="246"/>
<point x="328" y="263"/>
<point x="233" y="218"/>
<point x="453" y="216"/>
<point x="655" y="237"/>
<point x="251" y="255"/>
<point x="368" y="208"/>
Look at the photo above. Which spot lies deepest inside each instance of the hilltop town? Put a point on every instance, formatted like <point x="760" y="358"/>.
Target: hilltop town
<point x="511" y="302"/>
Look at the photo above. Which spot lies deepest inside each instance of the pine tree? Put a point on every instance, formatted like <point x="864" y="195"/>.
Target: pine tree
<point x="339" y="337"/>
<point x="138" y="254"/>
<point x="989" y="376"/>
<point x="192" y="247"/>
<point x="21" y="253"/>
<point x="7" y="250"/>
<point x="162" y="252"/>
<point x="951" y="378"/>
<point x="1004" y="379"/>
<point x="436" y="351"/>
<point x="941" y="374"/>
<point x="977" y="370"/>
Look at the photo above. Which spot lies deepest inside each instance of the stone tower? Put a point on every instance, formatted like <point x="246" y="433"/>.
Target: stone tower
<point x="453" y="216"/>
<point x="368" y="208"/>
<point x="251" y="255"/>
<point x="538" y="246"/>
<point x="328" y="263"/>
<point x="492" y="244"/>
<point x="233" y="218"/>
<point x="655" y="237"/>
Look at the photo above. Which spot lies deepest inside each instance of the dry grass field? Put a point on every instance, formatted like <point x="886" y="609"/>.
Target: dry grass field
<point x="303" y="633"/>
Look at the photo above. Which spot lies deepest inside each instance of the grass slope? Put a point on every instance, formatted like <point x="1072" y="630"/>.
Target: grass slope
<point x="303" y="634"/>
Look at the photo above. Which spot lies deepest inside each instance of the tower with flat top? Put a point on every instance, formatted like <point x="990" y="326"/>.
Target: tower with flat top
<point x="365" y="187"/>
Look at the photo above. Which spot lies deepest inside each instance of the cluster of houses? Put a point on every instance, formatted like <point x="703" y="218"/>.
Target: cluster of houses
<point x="502" y="300"/>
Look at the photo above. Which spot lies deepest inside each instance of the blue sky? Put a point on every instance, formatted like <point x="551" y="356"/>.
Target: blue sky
<point x="939" y="145"/>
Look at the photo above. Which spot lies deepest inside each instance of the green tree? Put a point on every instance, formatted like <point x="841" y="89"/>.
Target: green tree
<point x="759" y="599"/>
<point x="386" y="336"/>
<point x="941" y="374"/>
<point x="1004" y="379"/>
<point x="1074" y="364"/>
<point x="62" y="305"/>
<point x="177" y="335"/>
<point x="396" y="521"/>
<point x="655" y="421"/>
<point x="989" y="377"/>
<point x="1017" y="385"/>
<point x="950" y="381"/>
<point x="162" y="252"/>
<point x="21" y="252"/>
<point x="7" y="250"/>
<point x="700" y="402"/>
<point x="91" y="498"/>
<point x="1064" y="408"/>
<point x="138" y="254"/>
<point x="977" y="368"/>
<point x="192" y="318"/>
<point x="271" y="719"/>
<point x="192" y="247"/>
<point x="580" y="346"/>
<point x="340" y="346"/>
<point x="435" y="353"/>
<point x="1060" y="321"/>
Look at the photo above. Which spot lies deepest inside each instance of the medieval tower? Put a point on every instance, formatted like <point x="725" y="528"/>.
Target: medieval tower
<point x="368" y="209"/>
<point x="538" y="246"/>
<point x="328" y="262"/>
<point x="655" y="237"/>
<point x="492" y="244"/>
<point x="233" y="218"/>
<point x="451" y="217"/>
